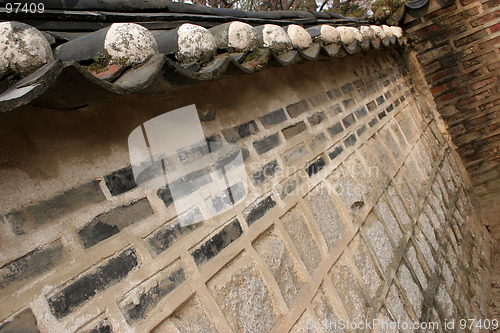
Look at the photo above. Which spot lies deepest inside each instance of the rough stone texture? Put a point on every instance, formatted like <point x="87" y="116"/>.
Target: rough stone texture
<point x="295" y="223"/>
<point x="411" y="290"/>
<point x="379" y="242"/>
<point x="366" y="264"/>
<point x="326" y="215"/>
<point x="275" y="254"/>
<point x="243" y="297"/>
<point x="189" y="318"/>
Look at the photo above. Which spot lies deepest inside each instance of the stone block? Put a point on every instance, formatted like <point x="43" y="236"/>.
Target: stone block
<point x="316" y="118"/>
<point x="276" y="255"/>
<point x="258" y="210"/>
<point x="295" y="154"/>
<point x="120" y="181"/>
<point x="296" y="109"/>
<point x="264" y="145"/>
<point x="326" y="215"/>
<point x="316" y="166"/>
<point x="273" y="118"/>
<point x="365" y="264"/>
<point x="266" y="172"/>
<point x="296" y="226"/>
<point x="242" y="131"/>
<point x="411" y="289"/>
<point x="23" y="322"/>
<point x="291" y="131"/>
<point x="377" y="238"/>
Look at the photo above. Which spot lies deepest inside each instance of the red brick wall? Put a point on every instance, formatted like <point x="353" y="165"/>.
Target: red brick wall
<point x="458" y="47"/>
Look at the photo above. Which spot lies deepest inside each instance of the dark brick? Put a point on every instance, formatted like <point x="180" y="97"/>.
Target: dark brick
<point x="361" y="130"/>
<point x="241" y="131"/>
<point x="228" y="197"/>
<point x="317" y="100"/>
<point x="387" y="95"/>
<point x="359" y="84"/>
<point x="293" y="130"/>
<point x="371" y="106"/>
<point x="257" y="211"/>
<point x="348" y="103"/>
<point x="347" y="88"/>
<point x="297" y="109"/>
<point x="335" y="129"/>
<point x="373" y="122"/>
<point x="214" y="143"/>
<point x="147" y="299"/>
<point x="386" y="83"/>
<point x="23" y="322"/>
<point x="167" y="235"/>
<point x="333" y="93"/>
<point x="87" y="286"/>
<point x="273" y="118"/>
<point x="390" y="108"/>
<point x="397" y="102"/>
<point x="102" y="327"/>
<point x="37" y="215"/>
<point x="165" y="195"/>
<point x="334" y="109"/>
<point x="316" y="166"/>
<point x="217" y="243"/>
<point x="380" y="100"/>
<point x="110" y="223"/>
<point x="316" y="118"/>
<point x="32" y="264"/>
<point x="348" y="121"/>
<point x="120" y="181"/>
<point x="479" y="35"/>
<point x="381" y="115"/>
<point x="188" y="155"/>
<point x="350" y="140"/>
<point x="266" y="172"/>
<point x="361" y="112"/>
<point x="335" y="152"/>
<point x="402" y="98"/>
<point x="266" y="144"/>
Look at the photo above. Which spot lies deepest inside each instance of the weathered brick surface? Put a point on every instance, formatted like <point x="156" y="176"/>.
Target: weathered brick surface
<point x="362" y="213"/>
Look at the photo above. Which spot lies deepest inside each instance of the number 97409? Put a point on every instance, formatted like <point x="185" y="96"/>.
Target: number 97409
<point x="27" y="8"/>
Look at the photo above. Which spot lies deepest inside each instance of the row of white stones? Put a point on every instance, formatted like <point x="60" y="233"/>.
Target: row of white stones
<point x="25" y="49"/>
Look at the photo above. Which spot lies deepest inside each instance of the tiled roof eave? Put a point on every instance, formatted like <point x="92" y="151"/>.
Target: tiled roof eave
<point x="67" y="84"/>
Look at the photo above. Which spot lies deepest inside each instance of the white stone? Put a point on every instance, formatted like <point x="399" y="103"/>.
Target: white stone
<point x="195" y="44"/>
<point x="242" y="37"/>
<point x="276" y="38"/>
<point x="349" y="35"/>
<point x="299" y="36"/>
<point x="130" y="42"/>
<point x="368" y="32"/>
<point x="329" y="34"/>
<point x="23" y="48"/>
<point x="397" y="31"/>
<point x="379" y="31"/>
<point x="388" y="31"/>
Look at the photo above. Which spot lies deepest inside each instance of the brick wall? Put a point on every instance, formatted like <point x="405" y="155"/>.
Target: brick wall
<point x="458" y="47"/>
<point x="357" y="209"/>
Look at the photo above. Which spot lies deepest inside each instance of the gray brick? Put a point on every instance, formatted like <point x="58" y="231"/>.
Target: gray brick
<point x="297" y="109"/>
<point x="335" y="129"/>
<point x="334" y="110"/>
<point x="294" y="154"/>
<point x="349" y="120"/>
<point x="347" y="88"/>
<point x="350" y="140"/>
<point x="371" y="106"/>
<point x="316" y="118"/>
<point x="273" y="118"/>
<point x="36" y="216"/>
<point x="291" y="131"/>
<point x="336" y="152"/>
<point x="360" y="130"/>
<point x="317" y="100"/>
<point x="215" y="244"/>
<point x="333" y="93"/>
<point x="361" y="112"/>
<point x="120" y="181"/>
<point x="88" y="285"/>
<point x="348" y="103"/>
<point x="227" y="198"/>
<point x="380" y="100"/>
<point x="316" y="166"/>
<point x="258" y="210"/>
<point x="110" y="223"/>
<point x="317" y="141"/>
<point x="35" y="263"/>
<point x="139" y="302"/>
<point x="266" y="144"/>
<point x="241" y="131"/>
<point x="266" y="172"/>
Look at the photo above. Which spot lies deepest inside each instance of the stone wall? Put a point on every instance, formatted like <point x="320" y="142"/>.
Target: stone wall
<point x="458" y="46"/>
<point x="357" y="209"/>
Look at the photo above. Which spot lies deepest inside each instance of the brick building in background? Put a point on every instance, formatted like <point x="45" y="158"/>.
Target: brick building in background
<point x="359" y="206"/>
